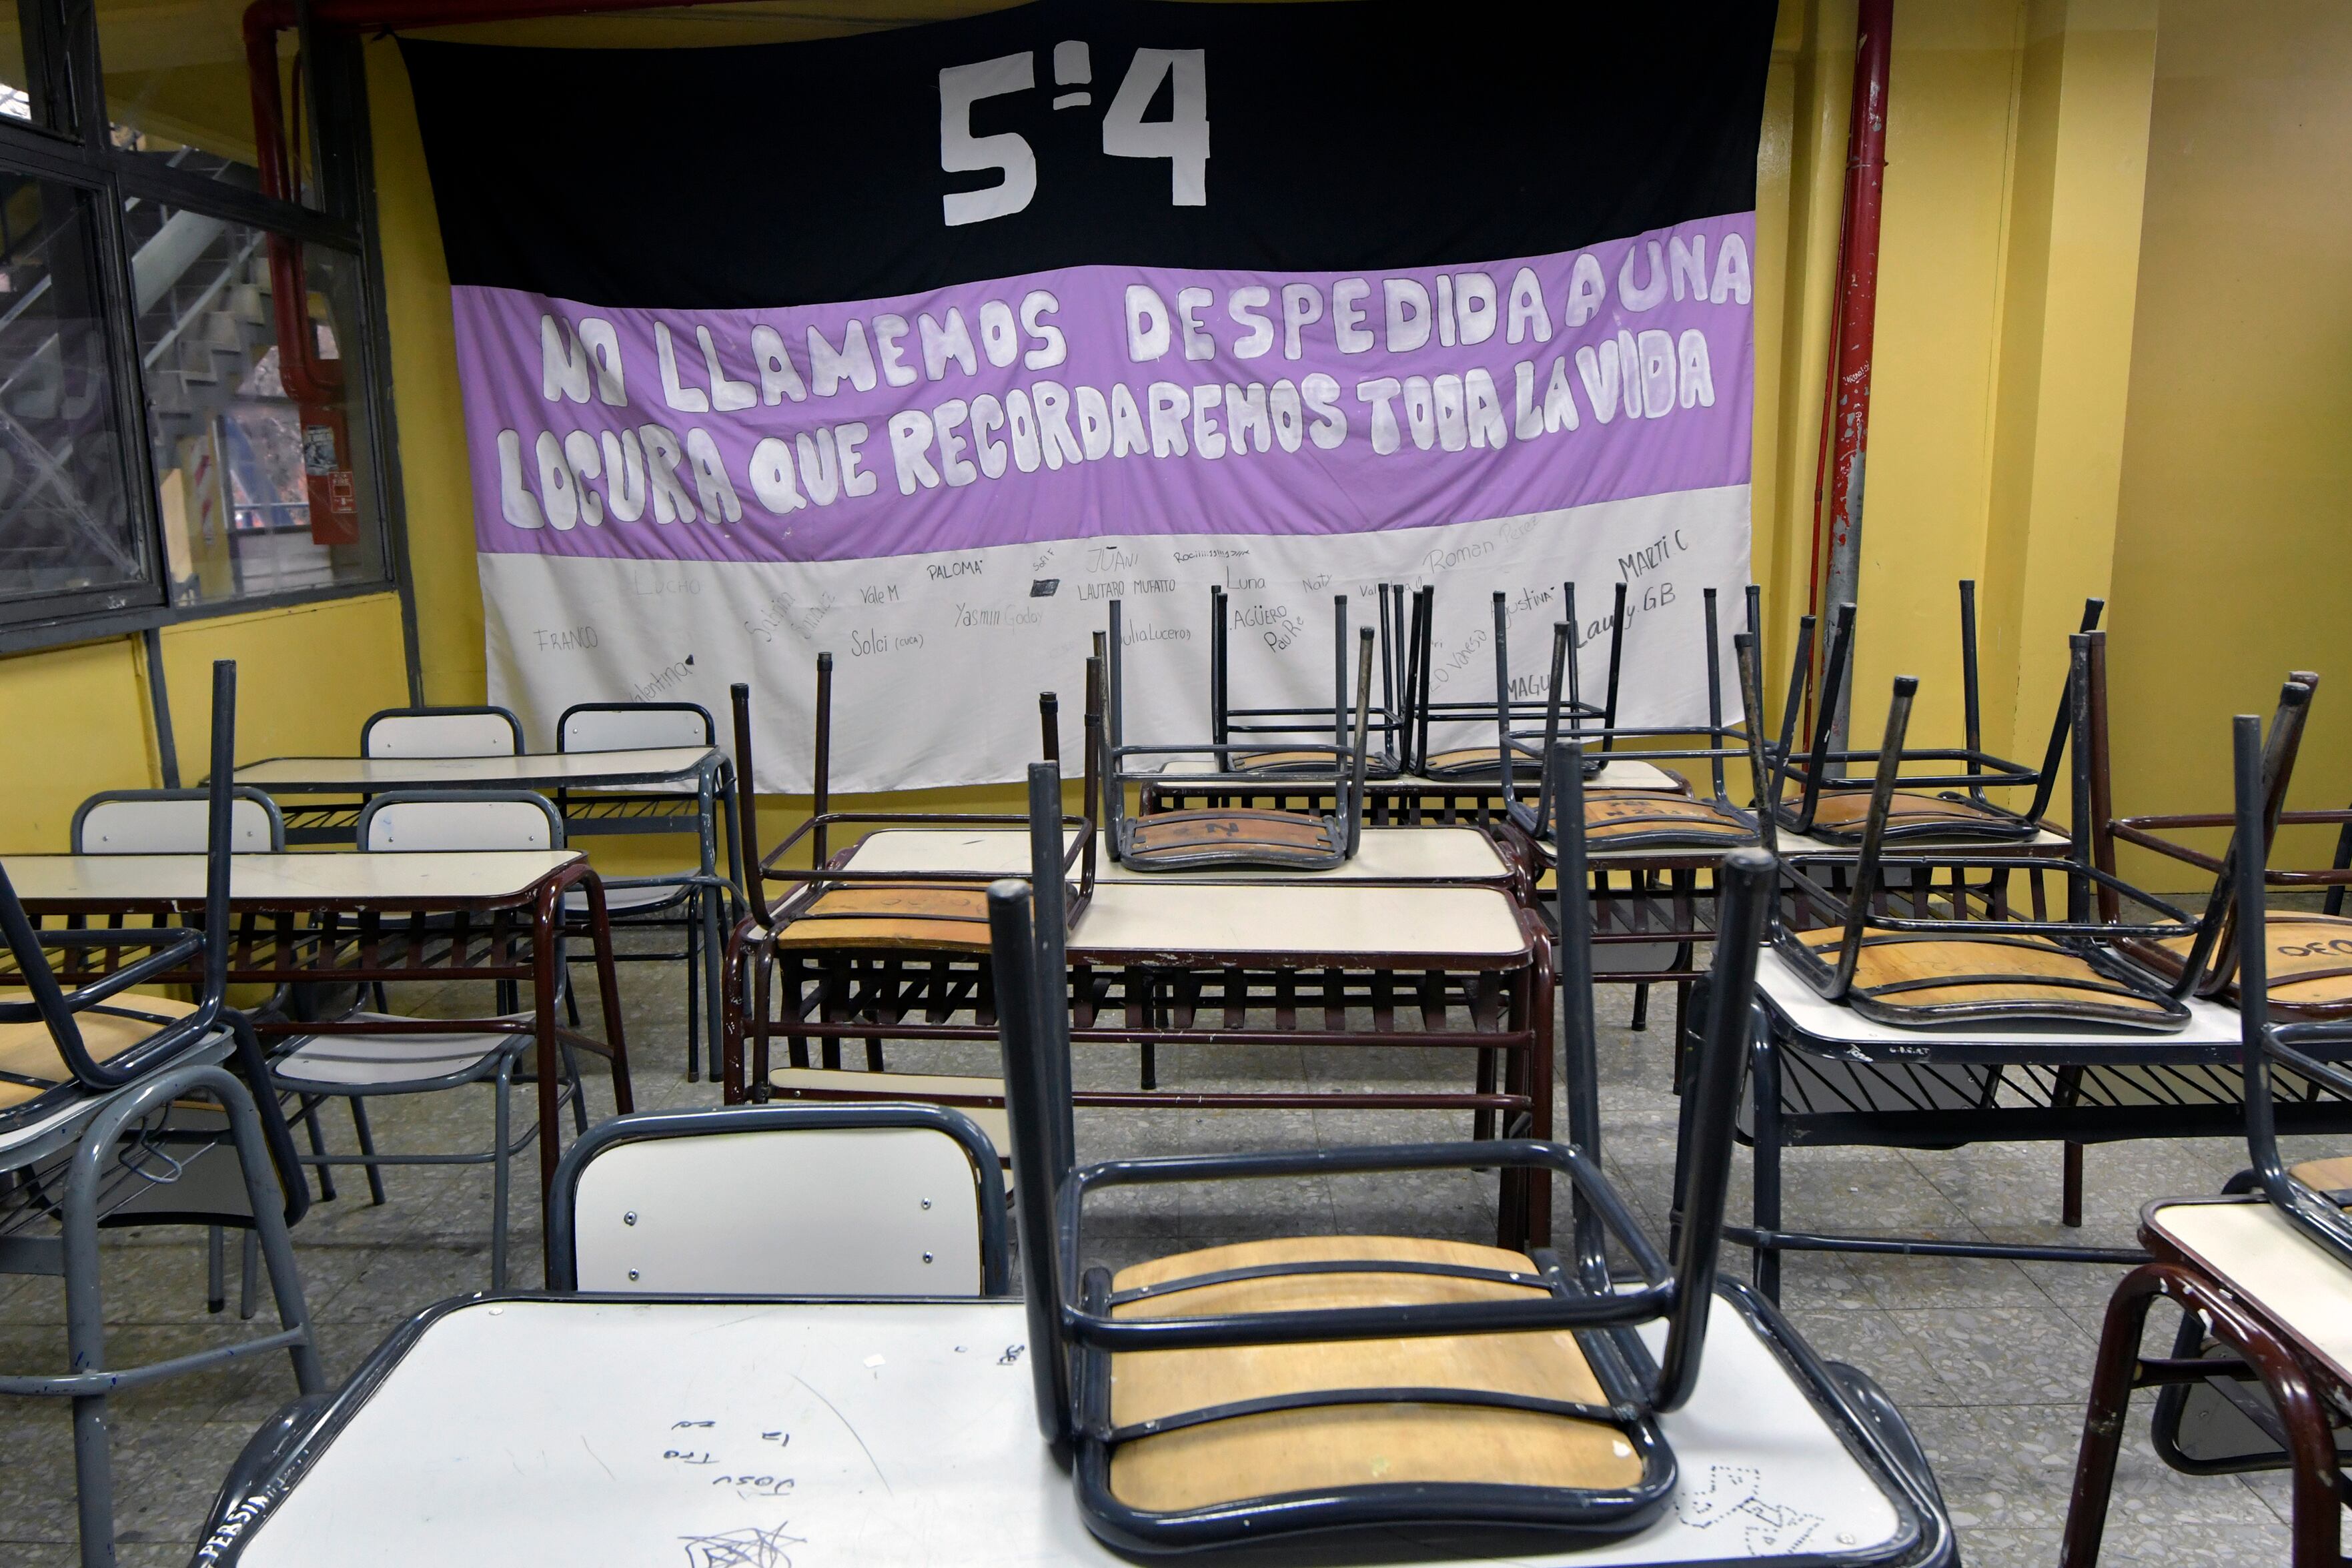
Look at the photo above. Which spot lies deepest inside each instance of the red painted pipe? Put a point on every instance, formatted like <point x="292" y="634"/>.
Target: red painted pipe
<point x="1845" y="399"/>
<point x="309" y="378"/>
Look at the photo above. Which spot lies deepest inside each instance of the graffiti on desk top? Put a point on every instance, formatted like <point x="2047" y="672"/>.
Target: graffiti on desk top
<point x="1732" y="1496"/>
<point x="748" y="1548"/>
<point x="755" y="1476"/>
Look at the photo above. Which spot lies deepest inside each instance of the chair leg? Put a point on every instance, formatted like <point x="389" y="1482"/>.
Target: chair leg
<point x="1641" y="1005"/>
<point x="248" y="1277"/>
<point x="579" y="1090"/>
<point x="694" y="986"/>
<point x="215" y="1290"/>
<point x="85" y="1312"/>
<point x="2103" y="1418"/>
<point x="501" y="1175"/>
<point x="367" y="1146"/>
<point x="310" y="1115"/>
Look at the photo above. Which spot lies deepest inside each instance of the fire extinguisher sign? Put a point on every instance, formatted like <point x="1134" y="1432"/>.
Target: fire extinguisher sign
<point x="327" y="475"/>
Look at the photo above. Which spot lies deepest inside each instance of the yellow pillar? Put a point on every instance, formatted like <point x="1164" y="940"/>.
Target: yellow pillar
<point x="2070" y="277"/>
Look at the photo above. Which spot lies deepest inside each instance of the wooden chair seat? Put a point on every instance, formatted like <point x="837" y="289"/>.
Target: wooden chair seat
<point x="29" y="1062"/>
<point x="1631" y="818"/>
<point x="1287" y="762"/>
<point x="910" y="915"/>
<point x="1474" y="762"/>
<point x="1313" y="1447"/>
<point x="2310" y="963"/>
<point x="1914" y="814"/>
<point x="1237" y="836"/>
<point x="2331" y="1175"/>
<point x="2019" y="977"/>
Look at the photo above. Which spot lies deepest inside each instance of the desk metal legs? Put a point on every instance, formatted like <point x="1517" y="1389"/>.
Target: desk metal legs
<point x="91" y="1382"/>
<point x="2311" y="1446"/>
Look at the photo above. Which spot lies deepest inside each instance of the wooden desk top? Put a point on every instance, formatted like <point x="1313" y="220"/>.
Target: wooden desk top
<point x="882" y="1435"/>
<point x="1131" y="921"/>
<point x="535" y="770"/>
<point x="347" y="880"/>
<point x="2267" y="1263"/>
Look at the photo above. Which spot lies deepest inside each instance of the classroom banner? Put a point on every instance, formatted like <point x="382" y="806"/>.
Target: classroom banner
<point x="920" y="346"/>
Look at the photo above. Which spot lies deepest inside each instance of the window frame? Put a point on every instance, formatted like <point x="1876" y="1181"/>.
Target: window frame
<point x="78" y="153"/>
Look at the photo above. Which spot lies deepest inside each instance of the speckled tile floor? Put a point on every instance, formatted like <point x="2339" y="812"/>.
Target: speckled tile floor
<point x="1988" y="1359"/>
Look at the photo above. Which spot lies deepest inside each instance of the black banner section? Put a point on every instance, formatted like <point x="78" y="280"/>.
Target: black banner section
<point x="1359" y="134"/>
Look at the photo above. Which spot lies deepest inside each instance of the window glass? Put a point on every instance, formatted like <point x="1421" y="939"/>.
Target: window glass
<point x="261" y="457"/>
<point x="22" y="94"/>
<point x="177" y="91"/>
<point x="66" y="522"/>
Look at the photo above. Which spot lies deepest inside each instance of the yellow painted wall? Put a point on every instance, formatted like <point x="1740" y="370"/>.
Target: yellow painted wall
<point x="80" y="721"/>
<point x="2232" y="550"/>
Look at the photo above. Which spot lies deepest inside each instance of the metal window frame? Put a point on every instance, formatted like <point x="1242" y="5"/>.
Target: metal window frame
<point x="63" y="33"/>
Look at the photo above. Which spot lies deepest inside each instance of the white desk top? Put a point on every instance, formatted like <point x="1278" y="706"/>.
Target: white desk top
<point x="2260" y="1256"/>
<point x="1805" y="1010"/>
<point x="1386" y="855"/>
<point x="560" y="1434"/>
<point x="1140" y="919"/>
<point x="553" y="769"/>
<point x="348" y="879"/>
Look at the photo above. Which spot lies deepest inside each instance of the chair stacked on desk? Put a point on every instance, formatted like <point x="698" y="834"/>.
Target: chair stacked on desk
<point x="1915" y="997"/>
<point x="1256" y="1392"/>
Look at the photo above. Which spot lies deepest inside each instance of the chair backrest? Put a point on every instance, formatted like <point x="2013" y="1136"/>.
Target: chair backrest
<point x="2313" y="1051"/>
<point x="173" y="822"/>
<point x="426" y="819"/>
<point x="408" y="732"/>
<point x="633" y="726"/>
<point x="822" y="1200"/>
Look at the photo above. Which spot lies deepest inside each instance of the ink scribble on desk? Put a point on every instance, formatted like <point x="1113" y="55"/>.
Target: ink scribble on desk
<point x="748" y="1548"/>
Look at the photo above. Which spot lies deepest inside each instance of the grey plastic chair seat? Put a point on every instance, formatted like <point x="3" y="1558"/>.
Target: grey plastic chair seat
<point x="386" y="1063"/>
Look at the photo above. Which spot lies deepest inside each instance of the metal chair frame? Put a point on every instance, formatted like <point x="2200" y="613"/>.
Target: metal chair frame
<point x="1342" y="828"/>
<point x="1285" y="726"/>
<point x="1743" y="741"/>
<point x="272" y="841"/>
<point x="1822" y="770"/>
<point x="682" y="909"/>
<point x="810" y="883"/>
<point x="563" y="1226"/>
<point x="1505" y="710"/>
<point x="2306" y="1400"/>
<point x="495" y="1066"/>
<point x="2088" y="935"/>
<point x="1072" y="1311"/>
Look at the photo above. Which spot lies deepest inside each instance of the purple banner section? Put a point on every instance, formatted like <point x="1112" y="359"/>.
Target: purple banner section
<point x="1109" y="400"/>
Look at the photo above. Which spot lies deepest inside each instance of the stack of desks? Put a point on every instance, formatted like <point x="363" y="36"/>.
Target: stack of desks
<point x="658" y="789"/>
<point x="1423" y="940"/>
